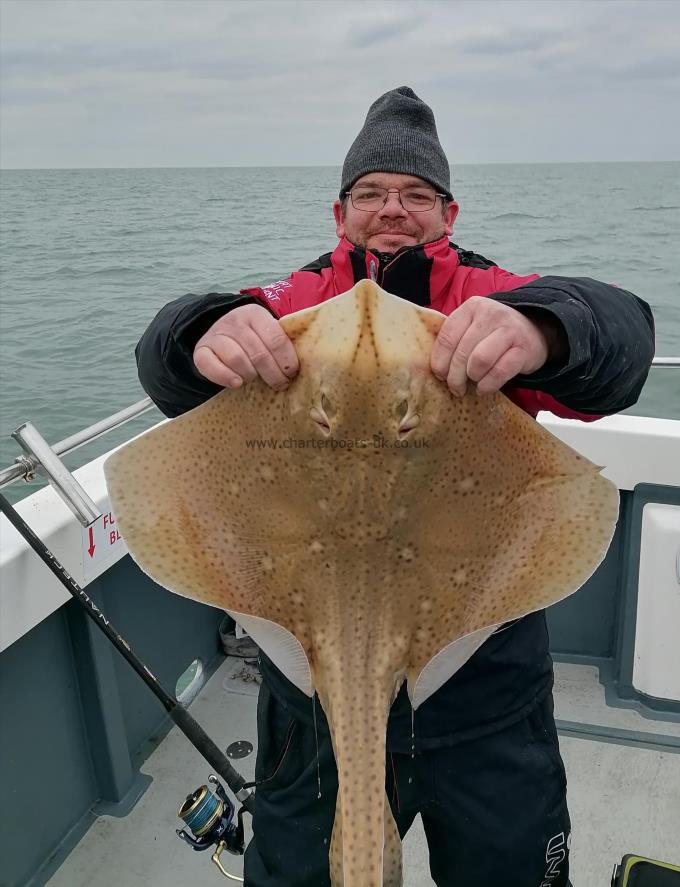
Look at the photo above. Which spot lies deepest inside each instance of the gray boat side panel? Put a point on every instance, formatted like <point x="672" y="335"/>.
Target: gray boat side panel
<point x="46" y="774"/>
<point x="93" y="656"/>
<point x="585" y="623"/>
<point x="78" y="721"/>
<point x="166" y="631"/>
<point x="597" y="624"/>
<point x="625" y="649"/>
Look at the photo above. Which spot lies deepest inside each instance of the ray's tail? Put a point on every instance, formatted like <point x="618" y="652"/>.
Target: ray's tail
<point x="365" y="846"/>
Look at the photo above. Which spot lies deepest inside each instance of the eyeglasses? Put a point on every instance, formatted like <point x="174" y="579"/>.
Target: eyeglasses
<point x="414" y="199"/>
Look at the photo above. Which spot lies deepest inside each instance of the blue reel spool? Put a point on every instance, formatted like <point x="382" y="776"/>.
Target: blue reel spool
<point x="201" y="811"/>
<point x="210" y="818"/>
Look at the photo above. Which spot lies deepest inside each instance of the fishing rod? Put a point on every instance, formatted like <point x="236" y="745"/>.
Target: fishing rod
<point x="209" y="815"/>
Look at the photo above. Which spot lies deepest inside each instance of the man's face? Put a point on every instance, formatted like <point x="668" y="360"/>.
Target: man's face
<point x="388" y="229"/>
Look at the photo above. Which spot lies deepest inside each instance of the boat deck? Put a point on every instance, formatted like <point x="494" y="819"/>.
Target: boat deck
<point x="624" y="791"/>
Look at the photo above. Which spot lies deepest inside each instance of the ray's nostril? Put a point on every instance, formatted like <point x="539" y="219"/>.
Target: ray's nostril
<point x="402" y="409"/>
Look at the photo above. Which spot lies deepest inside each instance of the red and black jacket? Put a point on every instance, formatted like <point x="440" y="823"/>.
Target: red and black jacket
<point x="610" y="334"/>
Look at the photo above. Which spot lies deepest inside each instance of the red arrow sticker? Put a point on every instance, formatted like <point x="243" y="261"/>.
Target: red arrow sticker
<point x="101" y="543"/>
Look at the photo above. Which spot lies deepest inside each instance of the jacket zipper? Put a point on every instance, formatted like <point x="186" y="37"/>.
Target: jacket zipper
<point x="376" y="271"/>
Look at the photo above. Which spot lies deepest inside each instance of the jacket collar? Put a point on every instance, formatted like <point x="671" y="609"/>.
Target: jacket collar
<point x="406" y="274"/>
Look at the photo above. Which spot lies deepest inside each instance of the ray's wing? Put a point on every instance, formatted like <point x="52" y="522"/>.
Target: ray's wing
<point x="511" y="520"/>
<point x="204" y="506"/>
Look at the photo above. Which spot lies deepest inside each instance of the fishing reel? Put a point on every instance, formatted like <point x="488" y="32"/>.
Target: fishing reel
<point x="210" y="817"/>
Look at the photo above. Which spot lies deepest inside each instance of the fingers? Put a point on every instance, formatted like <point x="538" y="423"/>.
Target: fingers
<point x="487" y="343"/>
<point x="478" y="356"/>
<point x="215" y="369"/>
<point x="446" y="343"/>
<point x="244" y="344"/>
<point x="277" y="342"/>
<point x="256" y="359"/>
<point x="506" y="367"/>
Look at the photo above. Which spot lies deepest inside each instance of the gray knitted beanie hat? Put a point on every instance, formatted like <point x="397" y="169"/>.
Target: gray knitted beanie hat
<point x="399" y="136"/>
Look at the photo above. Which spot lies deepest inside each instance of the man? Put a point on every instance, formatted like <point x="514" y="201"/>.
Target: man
<point x="487" y="776"/>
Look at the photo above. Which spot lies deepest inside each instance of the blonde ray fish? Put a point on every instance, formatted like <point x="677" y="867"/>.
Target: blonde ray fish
<point x="388" y="546"/>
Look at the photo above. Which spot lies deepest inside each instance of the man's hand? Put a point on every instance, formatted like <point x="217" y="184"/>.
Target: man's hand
<point x="490" y="343"/>
<point x="246" y="343"/>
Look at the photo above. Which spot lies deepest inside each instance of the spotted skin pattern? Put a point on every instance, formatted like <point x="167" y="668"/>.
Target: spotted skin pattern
<point x="374" y="557"/>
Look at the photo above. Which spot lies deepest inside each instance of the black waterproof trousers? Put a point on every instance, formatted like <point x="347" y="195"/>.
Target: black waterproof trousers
<point x="494" y="808"/>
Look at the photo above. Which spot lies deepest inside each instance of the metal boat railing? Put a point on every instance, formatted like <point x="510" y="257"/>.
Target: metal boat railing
<point x="25" y="467"/>
<point x="39" y="456"/>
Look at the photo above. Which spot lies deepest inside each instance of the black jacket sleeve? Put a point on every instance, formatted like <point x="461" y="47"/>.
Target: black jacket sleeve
<point x="165" y="363"/>
<point x="610" y="334"/>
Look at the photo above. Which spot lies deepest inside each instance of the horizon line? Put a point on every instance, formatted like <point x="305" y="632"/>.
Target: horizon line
<point x="327" y="165"/>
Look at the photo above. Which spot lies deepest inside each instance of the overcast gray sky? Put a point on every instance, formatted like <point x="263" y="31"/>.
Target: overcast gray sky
<point x="89" y="83"/>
